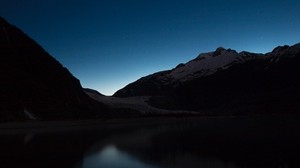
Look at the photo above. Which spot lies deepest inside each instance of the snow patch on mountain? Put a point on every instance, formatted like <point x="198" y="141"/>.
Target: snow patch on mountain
<point x="205" y="64"/>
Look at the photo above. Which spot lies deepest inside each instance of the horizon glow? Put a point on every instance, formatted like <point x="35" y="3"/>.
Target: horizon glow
<point x="109" y="44"/>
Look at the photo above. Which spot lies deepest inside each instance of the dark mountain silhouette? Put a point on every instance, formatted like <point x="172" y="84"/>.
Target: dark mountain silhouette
<point x="92" y="91"/>
<point x="226" y="82"/>
<point x="36" y="86"/>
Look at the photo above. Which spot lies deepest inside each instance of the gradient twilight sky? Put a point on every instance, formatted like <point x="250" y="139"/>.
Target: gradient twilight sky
<point x="110" y="43"/>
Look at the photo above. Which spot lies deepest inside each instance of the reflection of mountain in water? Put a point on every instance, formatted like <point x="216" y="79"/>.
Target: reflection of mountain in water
<point x="190" y="143"/>
<point x="212" y="143"/>
<point x="111" y="157"/>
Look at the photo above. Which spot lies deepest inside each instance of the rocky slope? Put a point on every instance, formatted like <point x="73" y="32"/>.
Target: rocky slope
<point x="227" y="82"/>
<point x="35" y="86"/>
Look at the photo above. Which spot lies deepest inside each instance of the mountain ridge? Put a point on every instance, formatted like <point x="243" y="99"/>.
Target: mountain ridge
<point x="35" y="86"/>
<point x="224" y="79"/>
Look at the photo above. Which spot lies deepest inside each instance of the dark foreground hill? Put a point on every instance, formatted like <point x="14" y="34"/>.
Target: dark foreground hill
<point x="35" y="86"/>
<point x="225" y="82"/>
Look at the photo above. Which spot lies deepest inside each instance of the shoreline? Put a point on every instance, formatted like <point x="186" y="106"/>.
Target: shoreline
<point x="77" y="125"/>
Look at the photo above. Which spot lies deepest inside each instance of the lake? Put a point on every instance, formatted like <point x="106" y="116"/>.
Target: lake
<point x="228" y="142"/>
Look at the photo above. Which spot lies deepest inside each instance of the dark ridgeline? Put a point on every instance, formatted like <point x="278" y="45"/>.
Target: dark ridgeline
<point x="249" y="83"/>
<point x="35" y="85"/>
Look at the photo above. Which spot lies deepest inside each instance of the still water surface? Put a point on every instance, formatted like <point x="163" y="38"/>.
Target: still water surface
<point x="176" y="143"/>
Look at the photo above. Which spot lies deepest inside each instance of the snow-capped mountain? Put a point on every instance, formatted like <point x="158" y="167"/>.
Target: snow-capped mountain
<point x="204" y="65"/>
<point x="225" y="79"/>
<point x="209" y="63"/>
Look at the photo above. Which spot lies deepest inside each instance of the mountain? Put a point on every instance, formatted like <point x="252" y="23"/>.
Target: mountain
<point x="225" y="82"/>
<point x="35" y="86"/>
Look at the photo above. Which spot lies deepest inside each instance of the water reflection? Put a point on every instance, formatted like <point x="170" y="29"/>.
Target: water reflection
<point x="111" y="157"/>
<point x="203" y="143"/>
<point x="222" y="143"/>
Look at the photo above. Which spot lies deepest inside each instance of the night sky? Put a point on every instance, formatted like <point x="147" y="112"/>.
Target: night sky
<point x="110" y="43"/>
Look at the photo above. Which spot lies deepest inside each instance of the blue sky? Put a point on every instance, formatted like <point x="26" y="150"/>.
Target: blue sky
<point x="108" y="44"/>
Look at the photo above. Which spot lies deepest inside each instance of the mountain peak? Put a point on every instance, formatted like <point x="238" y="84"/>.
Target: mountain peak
<point x="280" y="48"/>
<point x="220" y="49"/>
